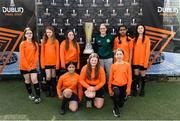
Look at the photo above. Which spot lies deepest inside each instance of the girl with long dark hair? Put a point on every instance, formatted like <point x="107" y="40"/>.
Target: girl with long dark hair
<point x="50" y="59"/>
<point x="141" y="56"/>
<point x="93" y="78"/>
<point x="124" y="42"/>
<point x="70" y="51"/>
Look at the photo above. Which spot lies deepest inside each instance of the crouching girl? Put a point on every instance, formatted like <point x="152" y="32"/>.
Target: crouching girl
<point x="69" y="89"/>
<point x="93" y="78"/>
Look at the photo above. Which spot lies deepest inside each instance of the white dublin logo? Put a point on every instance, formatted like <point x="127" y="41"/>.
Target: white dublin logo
<point x="12" y="3"/>
<point x="12" y="10"/>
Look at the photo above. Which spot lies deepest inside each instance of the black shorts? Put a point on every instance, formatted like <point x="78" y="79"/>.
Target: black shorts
<point x="99" y="93"/>
<point x="74" y="97"/>
<point x="28" y="72"/>
<point x="50" y="67"/>
<point x="141" y="68"/>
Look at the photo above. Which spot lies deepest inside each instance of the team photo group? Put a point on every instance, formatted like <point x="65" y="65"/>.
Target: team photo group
<point x="116" y="67"/>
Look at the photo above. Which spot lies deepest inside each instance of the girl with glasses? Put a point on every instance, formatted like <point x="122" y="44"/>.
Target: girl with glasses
<point x="28" y="64"/>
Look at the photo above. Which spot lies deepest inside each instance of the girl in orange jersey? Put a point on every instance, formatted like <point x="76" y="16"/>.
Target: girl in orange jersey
<point x="119" y="83"/>
<point x="124" y="42"/>
<point x="93" y="78"/>
<point x="50" y="59"/>
<point x="141" y="56"/>
<point x="69" y="89"/>
<point x="28" y="64"/>
<point x="69" y="51"/>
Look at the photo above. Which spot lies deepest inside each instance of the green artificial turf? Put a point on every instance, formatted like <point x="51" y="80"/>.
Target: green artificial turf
<point x="162" y="102"/>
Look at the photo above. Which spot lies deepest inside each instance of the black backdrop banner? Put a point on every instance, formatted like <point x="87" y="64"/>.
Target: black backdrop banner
<point x="15" y="15"/>
<point x="161" y="18"/>
<point x="151" y="16"/>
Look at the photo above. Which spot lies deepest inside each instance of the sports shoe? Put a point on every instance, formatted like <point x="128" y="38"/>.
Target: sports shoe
<point x="62" y="112"/>
<point x="31" y="97"/>
<point x="142" y="93"/>
<point x="89" y="104"/>
<point x="37" y="100"/>
<point x="125" y="98"/>
<point x="116" y="112"/>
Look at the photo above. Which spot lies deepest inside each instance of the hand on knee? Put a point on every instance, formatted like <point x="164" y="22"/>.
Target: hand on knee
<point x="90" y="94"/>
<point x="67" y="93"/>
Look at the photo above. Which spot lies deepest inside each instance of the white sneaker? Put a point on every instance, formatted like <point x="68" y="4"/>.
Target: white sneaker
<point x="116" y="112"/>
<point x="31" y="97"/>
<point x="37" y="100"/>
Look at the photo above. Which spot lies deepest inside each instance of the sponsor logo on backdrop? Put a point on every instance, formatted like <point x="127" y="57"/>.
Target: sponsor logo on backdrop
<point x="168" y="11"/>
<point x="12" y="9"/>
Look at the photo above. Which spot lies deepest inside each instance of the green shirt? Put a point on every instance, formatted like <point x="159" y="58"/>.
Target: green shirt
<point x="103" y="46"/>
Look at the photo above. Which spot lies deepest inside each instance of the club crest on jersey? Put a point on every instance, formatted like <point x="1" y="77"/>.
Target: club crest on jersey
<point x="108" y="40"/>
